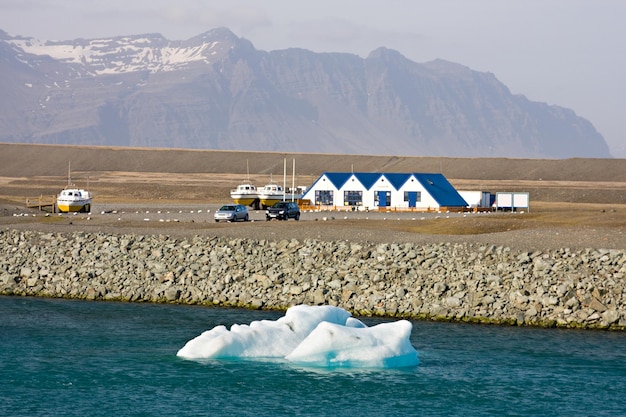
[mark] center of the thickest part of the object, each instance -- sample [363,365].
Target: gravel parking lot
[188,220]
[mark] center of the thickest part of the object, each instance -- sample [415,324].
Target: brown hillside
[575,203]
[25,160]
[200,174]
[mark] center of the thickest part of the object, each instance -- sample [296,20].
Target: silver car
[231,213]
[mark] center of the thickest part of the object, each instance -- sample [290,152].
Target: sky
[569,53]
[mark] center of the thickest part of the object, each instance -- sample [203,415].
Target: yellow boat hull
[269,202]
[246,201]
[72,200]
[72,208]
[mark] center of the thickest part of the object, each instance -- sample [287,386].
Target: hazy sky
[570,53]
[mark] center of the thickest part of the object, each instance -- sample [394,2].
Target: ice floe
[315,336]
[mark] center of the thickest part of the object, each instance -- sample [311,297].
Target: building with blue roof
[373,191]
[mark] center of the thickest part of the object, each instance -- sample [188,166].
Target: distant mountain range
[216,91]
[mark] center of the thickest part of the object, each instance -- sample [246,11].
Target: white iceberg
[317,336]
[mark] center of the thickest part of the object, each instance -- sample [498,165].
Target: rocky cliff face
[216,91]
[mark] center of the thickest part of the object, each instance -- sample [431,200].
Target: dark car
[231,213]
[283,210]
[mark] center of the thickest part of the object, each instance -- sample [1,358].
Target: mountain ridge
[216,91]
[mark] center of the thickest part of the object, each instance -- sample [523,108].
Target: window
[382,198]
[409,195]
[353,198]
[324,197]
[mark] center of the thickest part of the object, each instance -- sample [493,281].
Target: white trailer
[512,201]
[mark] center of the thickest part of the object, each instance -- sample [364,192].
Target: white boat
[245,194]
[272,193]
[269,194]
[72,199]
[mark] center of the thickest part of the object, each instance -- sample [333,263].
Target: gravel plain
[186,220]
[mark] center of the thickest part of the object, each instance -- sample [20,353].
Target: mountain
[216,91]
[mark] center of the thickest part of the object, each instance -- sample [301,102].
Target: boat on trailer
[272,193]
[245,194]
[72,199]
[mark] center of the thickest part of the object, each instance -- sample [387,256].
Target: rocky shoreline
[466,282]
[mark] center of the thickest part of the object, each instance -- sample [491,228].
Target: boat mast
[284,177]
[293,179]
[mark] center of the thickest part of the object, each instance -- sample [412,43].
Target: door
[412,198]
[382,198]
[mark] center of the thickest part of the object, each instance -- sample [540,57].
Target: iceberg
[312,336]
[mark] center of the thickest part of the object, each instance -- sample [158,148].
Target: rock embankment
[460,282]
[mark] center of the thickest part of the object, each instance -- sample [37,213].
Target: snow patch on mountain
[122,54]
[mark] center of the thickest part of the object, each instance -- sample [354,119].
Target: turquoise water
[75,358]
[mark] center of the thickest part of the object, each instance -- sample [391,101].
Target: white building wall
[369,196]
[323,183]
[382,184]
[368,199]
[353,184]
[426,200]
[476,198]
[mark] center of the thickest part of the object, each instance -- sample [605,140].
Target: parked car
[231,213]
[283,210]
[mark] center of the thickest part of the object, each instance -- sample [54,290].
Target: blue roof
[397,180]
[436,184]
[441,190]
[338,178]
[368,179]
